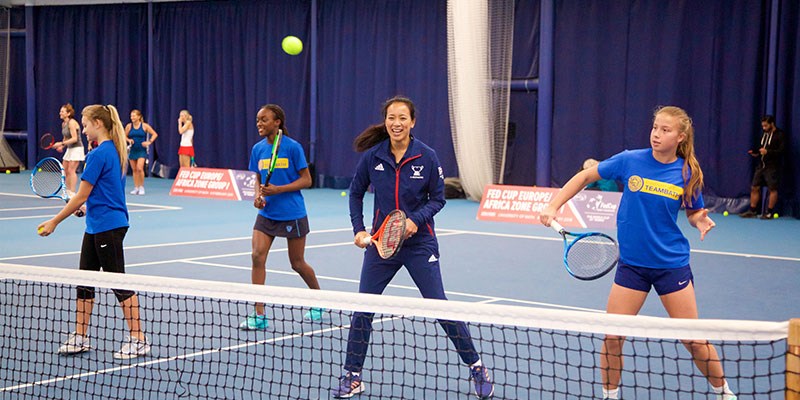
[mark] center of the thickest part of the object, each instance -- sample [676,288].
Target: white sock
[352,373]
[476,364]
[611,394]
[724,390]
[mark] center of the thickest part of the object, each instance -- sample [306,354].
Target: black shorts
[768,176]
[296,228]
[103,251]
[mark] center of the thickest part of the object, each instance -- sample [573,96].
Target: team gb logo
[417,171]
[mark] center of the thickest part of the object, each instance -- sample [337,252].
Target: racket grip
[366,241]
[556,227]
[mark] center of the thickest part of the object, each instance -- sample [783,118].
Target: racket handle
[366,241]
[557,227]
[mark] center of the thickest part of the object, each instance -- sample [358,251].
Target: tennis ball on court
[8,171]
[775,215]
[725,214]
[292,45]
[343,194]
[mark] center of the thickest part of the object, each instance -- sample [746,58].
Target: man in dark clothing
[770,150]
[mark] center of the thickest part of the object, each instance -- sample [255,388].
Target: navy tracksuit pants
[422,262]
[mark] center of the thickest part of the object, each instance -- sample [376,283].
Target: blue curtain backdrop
[222,61]
[87,55]
[520,168]
[615,62]
[619,60]
[787,103]
[370,51]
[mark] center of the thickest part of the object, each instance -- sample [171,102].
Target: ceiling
[73,2]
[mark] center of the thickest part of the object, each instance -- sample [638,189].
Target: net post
[793,361]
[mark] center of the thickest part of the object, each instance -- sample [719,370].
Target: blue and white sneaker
[314,314]
[255,322]
[75,344]
[484,388]
[133,347]
[349,386]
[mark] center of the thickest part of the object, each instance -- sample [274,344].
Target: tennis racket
[390,236]
[47,141]
[273,161]
[47,180]
[589,255]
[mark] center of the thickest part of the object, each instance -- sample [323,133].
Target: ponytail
[117,133]
[692,173]
[370,137]
[109,116]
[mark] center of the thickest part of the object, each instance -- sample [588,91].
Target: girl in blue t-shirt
[103,190]
[282,211]
[653,250]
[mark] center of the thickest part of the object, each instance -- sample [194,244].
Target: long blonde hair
[188,116]
[692,173]
[109,116]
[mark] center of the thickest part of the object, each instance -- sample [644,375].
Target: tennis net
[199,352]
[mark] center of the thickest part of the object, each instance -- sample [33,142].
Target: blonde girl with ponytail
[654,253]
[102,188]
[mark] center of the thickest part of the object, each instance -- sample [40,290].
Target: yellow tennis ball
[292,45]
[40,229]
[8,171]
[344,194]
[775,215]
[725,214]
[40,170]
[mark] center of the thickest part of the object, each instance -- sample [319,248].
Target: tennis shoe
[255,322]
[141,191]
[135,190]
[133,347]
[349,386]
[484,388]
[314,314]
[75,344]
[748,214]
[765,216]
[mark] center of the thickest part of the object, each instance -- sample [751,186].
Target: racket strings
[46,179]
[592,255]
[392,236]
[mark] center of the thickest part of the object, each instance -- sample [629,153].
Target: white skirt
[74,154]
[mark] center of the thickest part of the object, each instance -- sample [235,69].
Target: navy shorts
[665,280]
[296,228]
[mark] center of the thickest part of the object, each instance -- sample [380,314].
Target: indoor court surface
[746,269]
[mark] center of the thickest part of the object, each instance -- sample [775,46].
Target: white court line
[148,208]
[442,232]
[412,288]
[195,354]
[719,253]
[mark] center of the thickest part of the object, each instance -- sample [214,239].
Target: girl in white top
[186,130]
[72,143]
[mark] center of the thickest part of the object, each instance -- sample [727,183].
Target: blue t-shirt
[105,208]
[291,160]
[647,220]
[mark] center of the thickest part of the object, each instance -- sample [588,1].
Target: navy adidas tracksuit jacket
[416,186]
